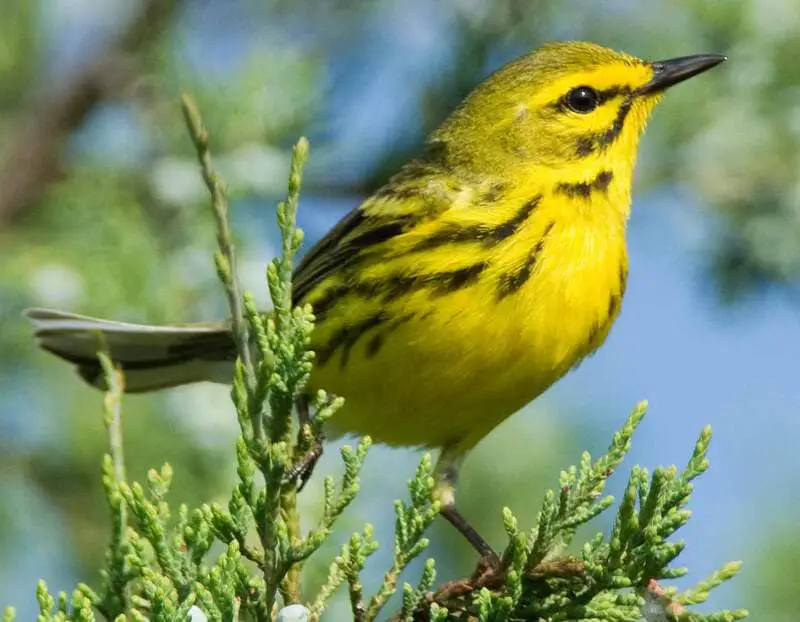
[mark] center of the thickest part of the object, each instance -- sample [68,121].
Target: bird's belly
[457,365]
[428,386]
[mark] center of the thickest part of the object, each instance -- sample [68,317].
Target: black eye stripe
[612,92]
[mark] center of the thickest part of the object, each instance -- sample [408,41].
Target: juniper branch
[411,522]
[225,257]
[113,600]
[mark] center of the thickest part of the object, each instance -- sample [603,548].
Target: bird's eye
[582,99]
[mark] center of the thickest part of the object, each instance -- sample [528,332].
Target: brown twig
[452,593]
[34,158]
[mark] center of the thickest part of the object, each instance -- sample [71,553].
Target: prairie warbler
[467,285]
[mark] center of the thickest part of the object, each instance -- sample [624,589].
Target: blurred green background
[102,211]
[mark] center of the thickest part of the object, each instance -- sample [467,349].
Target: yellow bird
[473,280]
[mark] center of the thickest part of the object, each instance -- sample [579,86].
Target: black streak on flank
[585,188]
[513,282]
[346,245]
[454,234]
[587,145]
[614,303]
[398,285]
[440,283]
[376,341]
[374,345]
[613,306]
[347,336]
[623,279]
[590,344]
[448,282]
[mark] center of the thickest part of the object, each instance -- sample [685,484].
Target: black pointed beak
[669,72]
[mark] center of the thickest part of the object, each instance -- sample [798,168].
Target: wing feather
[409,198]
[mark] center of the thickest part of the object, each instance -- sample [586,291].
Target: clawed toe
[489,572]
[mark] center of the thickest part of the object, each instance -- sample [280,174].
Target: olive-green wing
[404,202]
[353,236]
[327,254]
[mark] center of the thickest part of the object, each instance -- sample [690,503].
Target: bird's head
[567,104]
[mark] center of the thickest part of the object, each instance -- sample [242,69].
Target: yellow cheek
[594,122]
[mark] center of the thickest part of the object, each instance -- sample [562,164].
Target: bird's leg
[457,520]
[302,470]
[446,478]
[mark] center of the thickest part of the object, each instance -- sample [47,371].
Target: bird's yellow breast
[446,357]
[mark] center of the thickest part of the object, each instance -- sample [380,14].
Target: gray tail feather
[151,357]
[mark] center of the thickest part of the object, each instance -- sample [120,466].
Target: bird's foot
[301,471]
[308,439]
[490,572]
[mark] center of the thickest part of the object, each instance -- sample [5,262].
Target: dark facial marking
[586,145]
[612,133]
[613,92]
[603,96]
